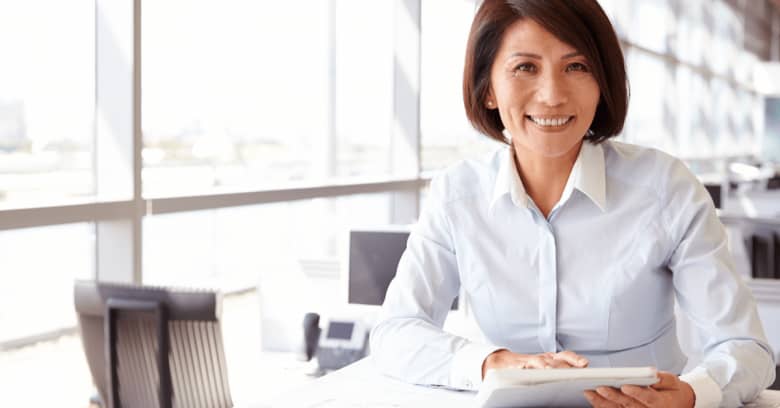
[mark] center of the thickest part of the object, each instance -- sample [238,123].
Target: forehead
[526,35]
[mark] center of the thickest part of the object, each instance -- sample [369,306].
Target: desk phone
[341,343]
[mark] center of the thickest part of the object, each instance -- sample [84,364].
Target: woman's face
[543,89]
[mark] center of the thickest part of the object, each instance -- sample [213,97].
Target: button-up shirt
[633,231]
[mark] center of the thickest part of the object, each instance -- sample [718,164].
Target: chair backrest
[153,347]
[762,242]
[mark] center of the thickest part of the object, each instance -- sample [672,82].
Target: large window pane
[725,38]
[446,135]
[651,115]
[39,265]
[47,99]
[232,248]
[364,86]
[723,118]
[691,38]
[240,93]
[651,23]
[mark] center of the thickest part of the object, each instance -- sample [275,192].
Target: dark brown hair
[579,23]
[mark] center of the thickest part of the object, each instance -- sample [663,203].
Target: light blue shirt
[633,230]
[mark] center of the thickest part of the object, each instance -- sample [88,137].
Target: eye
[525,67]
[577,66]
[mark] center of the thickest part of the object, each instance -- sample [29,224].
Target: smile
[550,121]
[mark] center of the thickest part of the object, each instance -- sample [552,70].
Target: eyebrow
[537,56]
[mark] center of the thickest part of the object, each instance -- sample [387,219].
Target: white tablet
[563,387]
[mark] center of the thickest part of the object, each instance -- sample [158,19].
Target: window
[446,134]
[650,118]
[249,94]
[231,248]
[39,266]
[47,101]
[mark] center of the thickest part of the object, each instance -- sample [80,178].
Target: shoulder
[645,166]
[469,178]
[620,154]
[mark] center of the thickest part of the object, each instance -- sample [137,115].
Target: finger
[623,400]
[559,363]
[667,381]
[645,395]
[574,359]
[598,401]
[536,362]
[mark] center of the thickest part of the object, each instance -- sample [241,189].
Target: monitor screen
[340,330]
[771,142]
[373,260]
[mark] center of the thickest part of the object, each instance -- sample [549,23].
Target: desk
[359,385]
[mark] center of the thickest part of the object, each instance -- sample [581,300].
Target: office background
[231,144]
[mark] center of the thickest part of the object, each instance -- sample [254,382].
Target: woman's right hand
[506,359]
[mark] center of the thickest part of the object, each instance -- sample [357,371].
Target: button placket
[548,283]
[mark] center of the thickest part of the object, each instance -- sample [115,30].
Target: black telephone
[343,342]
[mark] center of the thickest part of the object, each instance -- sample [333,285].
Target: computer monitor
[372,262]
[770,149]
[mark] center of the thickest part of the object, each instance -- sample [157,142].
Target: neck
[544,178]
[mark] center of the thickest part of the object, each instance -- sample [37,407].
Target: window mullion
[118,137]
[405,143]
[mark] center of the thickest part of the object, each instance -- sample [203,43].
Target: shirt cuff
[466,371]
[707,392]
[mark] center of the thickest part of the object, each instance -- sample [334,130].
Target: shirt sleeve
[707,391]
[737,356]
[408,342]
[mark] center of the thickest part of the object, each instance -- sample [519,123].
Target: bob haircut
[579,23]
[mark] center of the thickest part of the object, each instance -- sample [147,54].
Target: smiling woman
[561,239]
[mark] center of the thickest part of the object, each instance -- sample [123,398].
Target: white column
[118,137]
[405,141]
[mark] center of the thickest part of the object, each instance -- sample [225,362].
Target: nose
[552,90]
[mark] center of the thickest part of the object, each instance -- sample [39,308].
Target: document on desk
[517,387]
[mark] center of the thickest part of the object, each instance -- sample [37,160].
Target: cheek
[590,96]
[513,104]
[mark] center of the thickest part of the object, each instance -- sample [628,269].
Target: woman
[565,240]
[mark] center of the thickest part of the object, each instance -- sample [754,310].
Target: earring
[490,104]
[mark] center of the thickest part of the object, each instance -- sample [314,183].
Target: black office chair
[762,244]
[153,347]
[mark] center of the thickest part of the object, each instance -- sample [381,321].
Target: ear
[490,100]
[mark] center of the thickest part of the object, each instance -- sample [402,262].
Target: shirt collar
[588,176]
[591,177]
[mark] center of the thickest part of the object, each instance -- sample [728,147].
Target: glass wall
[691,77]
[287,245]
[47,99]
[254,94]
[445,133]
[38,268]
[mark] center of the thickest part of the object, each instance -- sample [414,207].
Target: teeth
[550,121]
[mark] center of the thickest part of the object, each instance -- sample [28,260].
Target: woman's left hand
[669,391]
